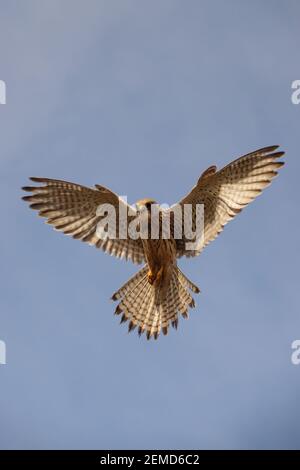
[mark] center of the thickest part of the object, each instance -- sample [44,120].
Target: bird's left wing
[73,209]
[226,192]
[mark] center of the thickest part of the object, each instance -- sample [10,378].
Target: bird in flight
[159,293]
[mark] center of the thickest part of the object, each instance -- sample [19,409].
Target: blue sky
[141,97]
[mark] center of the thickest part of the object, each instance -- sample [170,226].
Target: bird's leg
[151,276]
[159,275]
[154,276]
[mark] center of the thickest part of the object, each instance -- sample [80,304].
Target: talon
[151,277]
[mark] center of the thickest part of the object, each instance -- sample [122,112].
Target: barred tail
[151,308]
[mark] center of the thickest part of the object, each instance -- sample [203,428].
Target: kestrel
[155,297]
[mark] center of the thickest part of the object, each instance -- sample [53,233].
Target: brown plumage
[159,293]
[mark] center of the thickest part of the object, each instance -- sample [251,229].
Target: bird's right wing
[73,209]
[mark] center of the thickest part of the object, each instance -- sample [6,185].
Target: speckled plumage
[159,293]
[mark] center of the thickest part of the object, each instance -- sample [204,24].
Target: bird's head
[143,204]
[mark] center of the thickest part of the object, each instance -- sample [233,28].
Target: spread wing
[226,192]
[72,209]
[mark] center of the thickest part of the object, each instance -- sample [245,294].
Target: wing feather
[72,209]
[226,192]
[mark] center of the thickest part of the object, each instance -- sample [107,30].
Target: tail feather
[178,300]
[131,303]
[149,319]
[131,283]
[185,294]
[152,308]
[187,282]
[144,299]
